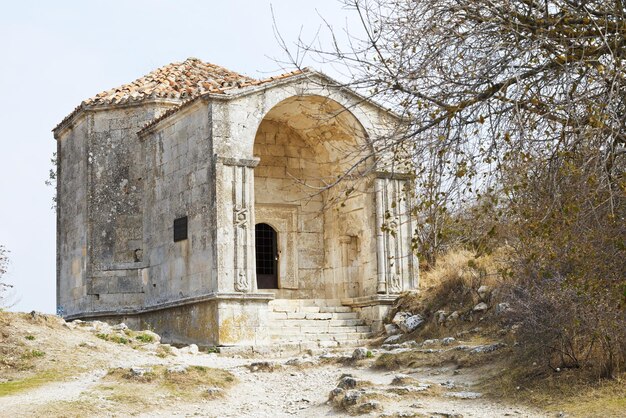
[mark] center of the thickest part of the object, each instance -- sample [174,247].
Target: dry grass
[452,284]
[24,361]
[37,349]
[69,409]
[31,382]
[569,391]
[197,380]
[420,358]
[463,265]
[196,383]
[164,350]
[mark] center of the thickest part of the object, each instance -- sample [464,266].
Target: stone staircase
[315,323]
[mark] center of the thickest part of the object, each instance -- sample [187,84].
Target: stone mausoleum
[206,205]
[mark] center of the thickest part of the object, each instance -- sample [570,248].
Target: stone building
[196,201]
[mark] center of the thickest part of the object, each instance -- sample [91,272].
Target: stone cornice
[238,162]
[84,109]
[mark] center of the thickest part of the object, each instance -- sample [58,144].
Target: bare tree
[4,262]
[514,108]
[483,84]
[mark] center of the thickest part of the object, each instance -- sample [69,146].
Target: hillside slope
[90,369]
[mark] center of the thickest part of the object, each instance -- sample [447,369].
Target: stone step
[300,346]
[343,329]
[299,323]
[311,324]
[317,322]
[344,322]
[300,316]
[336,309]
[335,325]
[284,308]
[345,315]
[318,316]
[353,336]
[295,308]
[317,330]
[312,315]
[283,316]
[306,302]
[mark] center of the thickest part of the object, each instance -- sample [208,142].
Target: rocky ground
[53,369]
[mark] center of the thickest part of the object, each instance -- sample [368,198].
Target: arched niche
[313,173]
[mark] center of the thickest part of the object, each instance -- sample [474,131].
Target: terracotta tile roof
[178,82]
[252,83]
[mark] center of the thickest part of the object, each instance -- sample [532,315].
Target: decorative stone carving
[397,265]
[241,217]
[240,175]
[242,284]
[395,285]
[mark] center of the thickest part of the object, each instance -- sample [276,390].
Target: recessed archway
[305,145]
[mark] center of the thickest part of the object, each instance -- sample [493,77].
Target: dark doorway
[266,257]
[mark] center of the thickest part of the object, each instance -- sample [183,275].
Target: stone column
[397,265]
[236,264]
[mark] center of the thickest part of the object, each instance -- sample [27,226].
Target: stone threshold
[226,296]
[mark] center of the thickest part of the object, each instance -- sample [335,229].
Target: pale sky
[54,54]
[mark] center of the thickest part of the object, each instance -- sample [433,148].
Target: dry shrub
[569,261]
[564,328]
[453,283]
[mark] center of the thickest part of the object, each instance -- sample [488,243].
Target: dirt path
[288,390]
[293,391]
[58,391]
[84,382]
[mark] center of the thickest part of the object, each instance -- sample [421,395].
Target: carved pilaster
[381,248]
[397,266]
[238,178]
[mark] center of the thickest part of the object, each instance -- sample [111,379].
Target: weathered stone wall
[100,213]
[120,194]
[179,182]
[116,178]
[350,244]
[225,321]
[72,219]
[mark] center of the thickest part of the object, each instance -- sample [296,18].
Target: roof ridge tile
[169,81]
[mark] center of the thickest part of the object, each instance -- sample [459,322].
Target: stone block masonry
[162,183]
